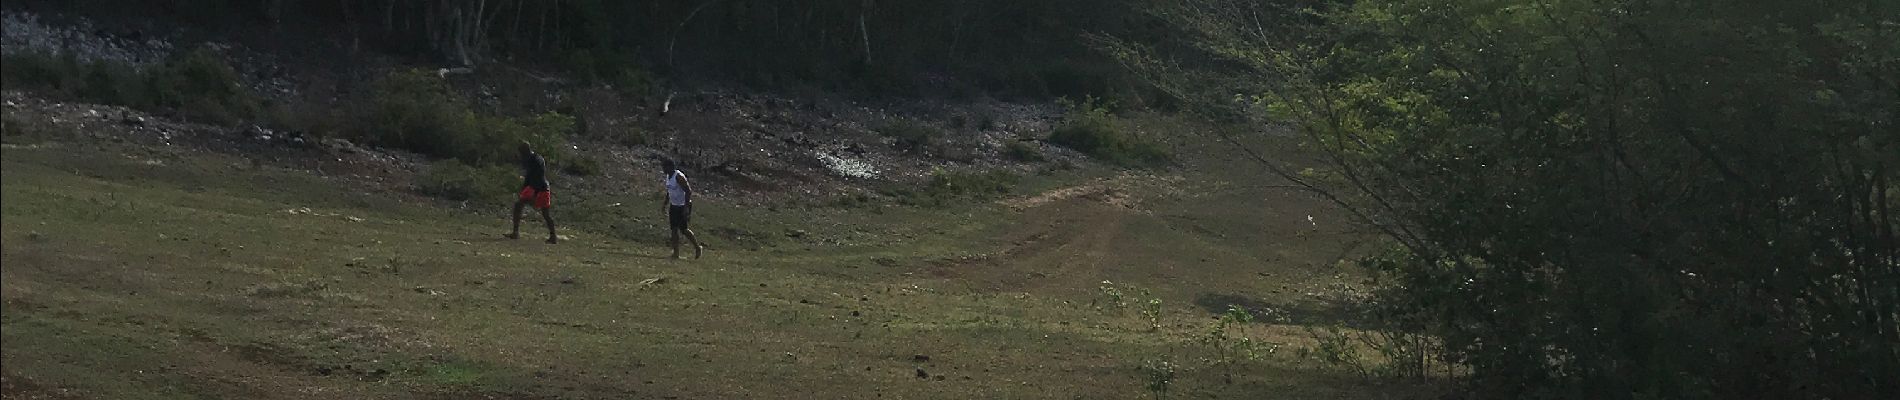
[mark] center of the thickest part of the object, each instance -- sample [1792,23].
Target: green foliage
[1151,310]
[1144,302]
[1603,200]
[630,136]
[196,84]
[636,82]
[415,110]
[619,69]
[580,165]
[853,200]
[1159,376]
[59,76]
[453,180]
[201,86]
[1112,296]
[1005,47]
[17,130]
[1090,129]
[457,373]
[945,187]
[9,127]
[928,140]
[110,83]
[1024,151]
[912,136]
[1228,340]
[1334,347]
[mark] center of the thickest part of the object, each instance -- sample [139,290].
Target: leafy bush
[635,82]
[945,186]
[16,130]
[415,110]
[852,200]
[1090,129]
[1589,200]
[201,86]
[630,135]
[986,121]
[111,83]
[453,180]
[912,136]
[54,75]
[1024,151]
[1229,342]
[197,85]
[580,165]
[958,151]
[1160,375]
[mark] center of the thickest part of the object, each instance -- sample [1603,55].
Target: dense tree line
[1596,199]
[1025,47]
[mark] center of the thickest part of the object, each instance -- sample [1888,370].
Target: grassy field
[158,273]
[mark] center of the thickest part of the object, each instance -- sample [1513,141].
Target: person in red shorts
[534,191]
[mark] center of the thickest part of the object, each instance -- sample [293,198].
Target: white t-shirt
[675,194]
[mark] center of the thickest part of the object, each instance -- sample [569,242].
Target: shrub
[635,82]
[630,136]
[415,110]
[1692,255]
[912,136]
[311,118]
[1160,376]
[16,130]
[853,200]
[546,131]
[1023,151]
[113,83]
[986,121]
[959,152]
[580,165]
[199,85]
[1090,129]
[945,186]
[54,75]
[453,180]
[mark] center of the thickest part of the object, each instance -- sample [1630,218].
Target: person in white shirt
[679,207]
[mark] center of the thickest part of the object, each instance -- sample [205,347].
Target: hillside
[140,271]
[152,254]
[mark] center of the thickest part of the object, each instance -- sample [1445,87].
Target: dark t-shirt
[534,172]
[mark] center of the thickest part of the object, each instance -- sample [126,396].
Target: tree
[1597,199]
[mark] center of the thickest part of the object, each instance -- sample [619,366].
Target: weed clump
[1024,151]
[912,136]
[201,86]
[946,186]
[453,180]
[416,111]
[196,85]
[1089,128]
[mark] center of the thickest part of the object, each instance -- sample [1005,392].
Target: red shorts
[540,199]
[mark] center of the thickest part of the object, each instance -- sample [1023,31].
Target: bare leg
[676,242]
[690,237]
[548,216]
[516,233]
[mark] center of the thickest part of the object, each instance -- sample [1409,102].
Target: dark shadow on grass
[1310,312]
